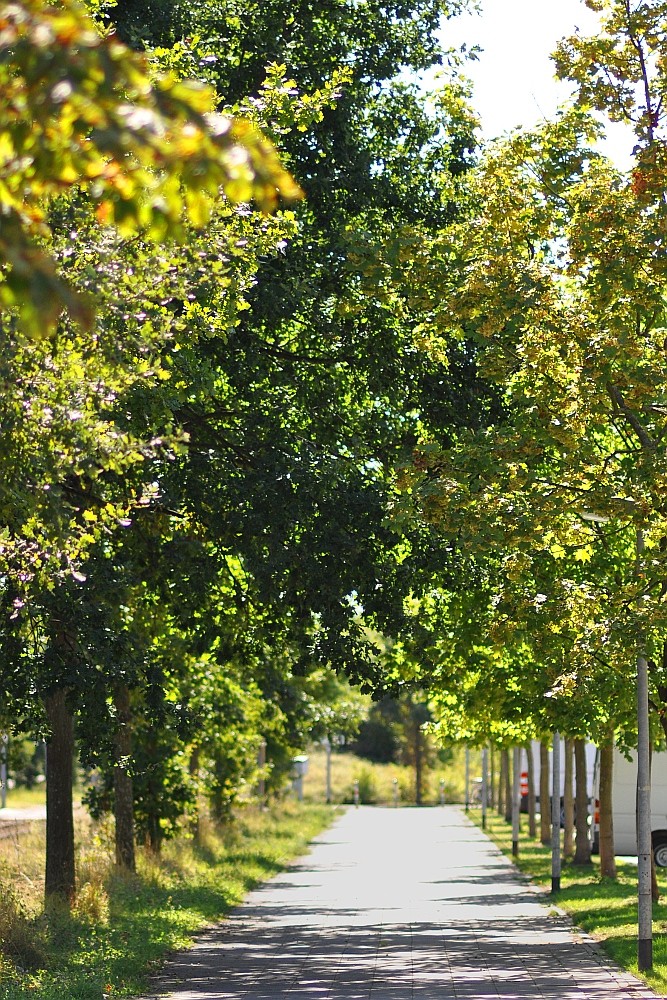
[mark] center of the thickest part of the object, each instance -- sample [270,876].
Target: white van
[591,756]
[624,797]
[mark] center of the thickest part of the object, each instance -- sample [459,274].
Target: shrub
[368,793]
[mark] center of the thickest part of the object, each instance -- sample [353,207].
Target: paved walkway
[397,904]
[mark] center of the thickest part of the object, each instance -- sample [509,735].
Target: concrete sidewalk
[396,904]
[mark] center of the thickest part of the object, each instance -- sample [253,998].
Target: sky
[514,78]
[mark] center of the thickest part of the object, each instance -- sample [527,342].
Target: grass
[604,908]
[376,781]
[20,798]
[123,927]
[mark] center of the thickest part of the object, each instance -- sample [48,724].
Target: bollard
[395,789]
[356,793]
[442,792]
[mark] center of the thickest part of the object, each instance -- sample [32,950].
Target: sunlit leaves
[78,109]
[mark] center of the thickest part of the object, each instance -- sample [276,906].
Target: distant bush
[377,741]
[368,791]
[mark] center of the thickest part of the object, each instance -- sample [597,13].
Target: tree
[145,151]
[293,428]
[559,279]
[250,435]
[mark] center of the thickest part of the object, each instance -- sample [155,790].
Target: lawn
[123,927]
[605,908]
[20,798]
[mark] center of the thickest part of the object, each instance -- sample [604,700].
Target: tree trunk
[507,791]
[582,854]
[568,800]
[122,780]
[607,856]
[418,764]
[492,779]
[500,799]
[545,795]
[59,880]
[530,771]
[193,770]
[516,799]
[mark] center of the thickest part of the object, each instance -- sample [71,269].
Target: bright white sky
[514,77]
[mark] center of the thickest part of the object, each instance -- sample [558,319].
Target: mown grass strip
[604,908]
[129,924]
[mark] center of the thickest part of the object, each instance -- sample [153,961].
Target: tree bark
[507,791]
[418,764]
[530,771]
[492,778]
[122,780]
[193,770]
[582,853]
[545,795]
[60,875]
[568,800]
[500,803]
[607,856]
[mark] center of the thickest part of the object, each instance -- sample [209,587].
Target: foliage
[80,111]
[294,427]
[555,278]
[195,502]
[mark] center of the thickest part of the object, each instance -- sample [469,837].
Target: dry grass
[20,798]
[121,926]
[376,781]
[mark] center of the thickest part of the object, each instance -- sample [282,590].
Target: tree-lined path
[393,904]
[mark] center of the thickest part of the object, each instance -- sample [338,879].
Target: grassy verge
[20,798]
[123,927]
[605,908]
[376,781]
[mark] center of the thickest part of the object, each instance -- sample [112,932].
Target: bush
[377,741]
[368,792]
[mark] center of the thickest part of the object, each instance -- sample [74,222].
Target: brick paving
[397,904]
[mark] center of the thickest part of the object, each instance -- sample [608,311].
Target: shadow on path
[397,905]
